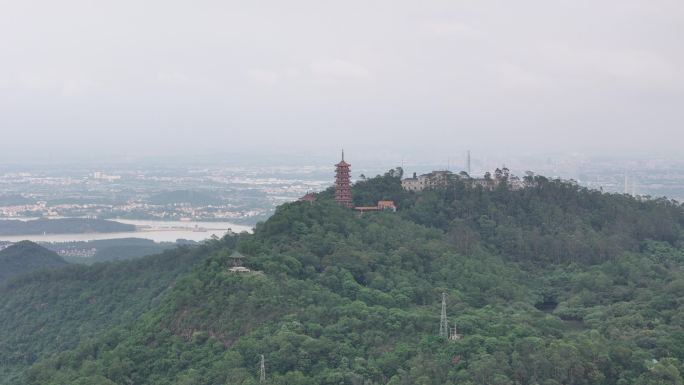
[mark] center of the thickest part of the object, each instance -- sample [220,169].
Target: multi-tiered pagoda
[342,183]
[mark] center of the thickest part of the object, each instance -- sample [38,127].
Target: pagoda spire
[343,183]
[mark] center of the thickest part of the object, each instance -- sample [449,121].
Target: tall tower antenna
[625,187]
[443,323]
[468,162]
[262,371]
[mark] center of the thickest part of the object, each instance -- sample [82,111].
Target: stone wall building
[431,180]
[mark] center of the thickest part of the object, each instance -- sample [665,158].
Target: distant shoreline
[158,231]
[237,221]
[62,226]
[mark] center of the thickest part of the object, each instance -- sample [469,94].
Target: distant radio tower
[468,162]
[443,323]
[262,371]
[633,186]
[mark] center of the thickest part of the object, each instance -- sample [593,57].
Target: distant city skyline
[641,175]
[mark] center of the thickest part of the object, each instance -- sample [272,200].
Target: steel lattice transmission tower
[262,371]
[443,323]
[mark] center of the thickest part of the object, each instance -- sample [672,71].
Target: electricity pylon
[443,323]
[262,371]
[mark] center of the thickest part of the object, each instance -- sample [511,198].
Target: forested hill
[26,256]
[42,313]
[549,221]
[550,284]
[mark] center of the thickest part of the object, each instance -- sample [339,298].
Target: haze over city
[420,80]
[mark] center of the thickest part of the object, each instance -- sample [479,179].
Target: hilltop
[548,284]
[26,256]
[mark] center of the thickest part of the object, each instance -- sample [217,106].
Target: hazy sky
[167,76]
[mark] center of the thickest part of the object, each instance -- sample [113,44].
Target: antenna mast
[468,162]
[443,323]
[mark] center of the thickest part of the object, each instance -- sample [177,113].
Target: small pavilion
[236,263]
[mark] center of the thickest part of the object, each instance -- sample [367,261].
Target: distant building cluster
[99,175]
[87,252]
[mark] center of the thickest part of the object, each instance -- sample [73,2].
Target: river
[158,231]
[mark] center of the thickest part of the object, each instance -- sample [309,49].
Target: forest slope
[46,312]
[551,284]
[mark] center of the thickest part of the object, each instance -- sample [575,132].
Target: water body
[158,231]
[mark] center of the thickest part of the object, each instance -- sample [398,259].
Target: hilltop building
[343,183]
[381,206]
[431,180]
[437,179]
[387,205]
[308,198]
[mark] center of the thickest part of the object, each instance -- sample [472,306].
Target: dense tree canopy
[548,284]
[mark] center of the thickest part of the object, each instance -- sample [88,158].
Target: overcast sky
[128,76]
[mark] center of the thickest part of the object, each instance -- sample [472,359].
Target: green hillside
[44,313]
[550,284]
[26,256]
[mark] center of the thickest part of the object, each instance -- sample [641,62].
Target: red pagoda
[342,183]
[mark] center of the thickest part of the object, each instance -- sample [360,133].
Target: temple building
[343,184]
[308,198]
[381,206]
